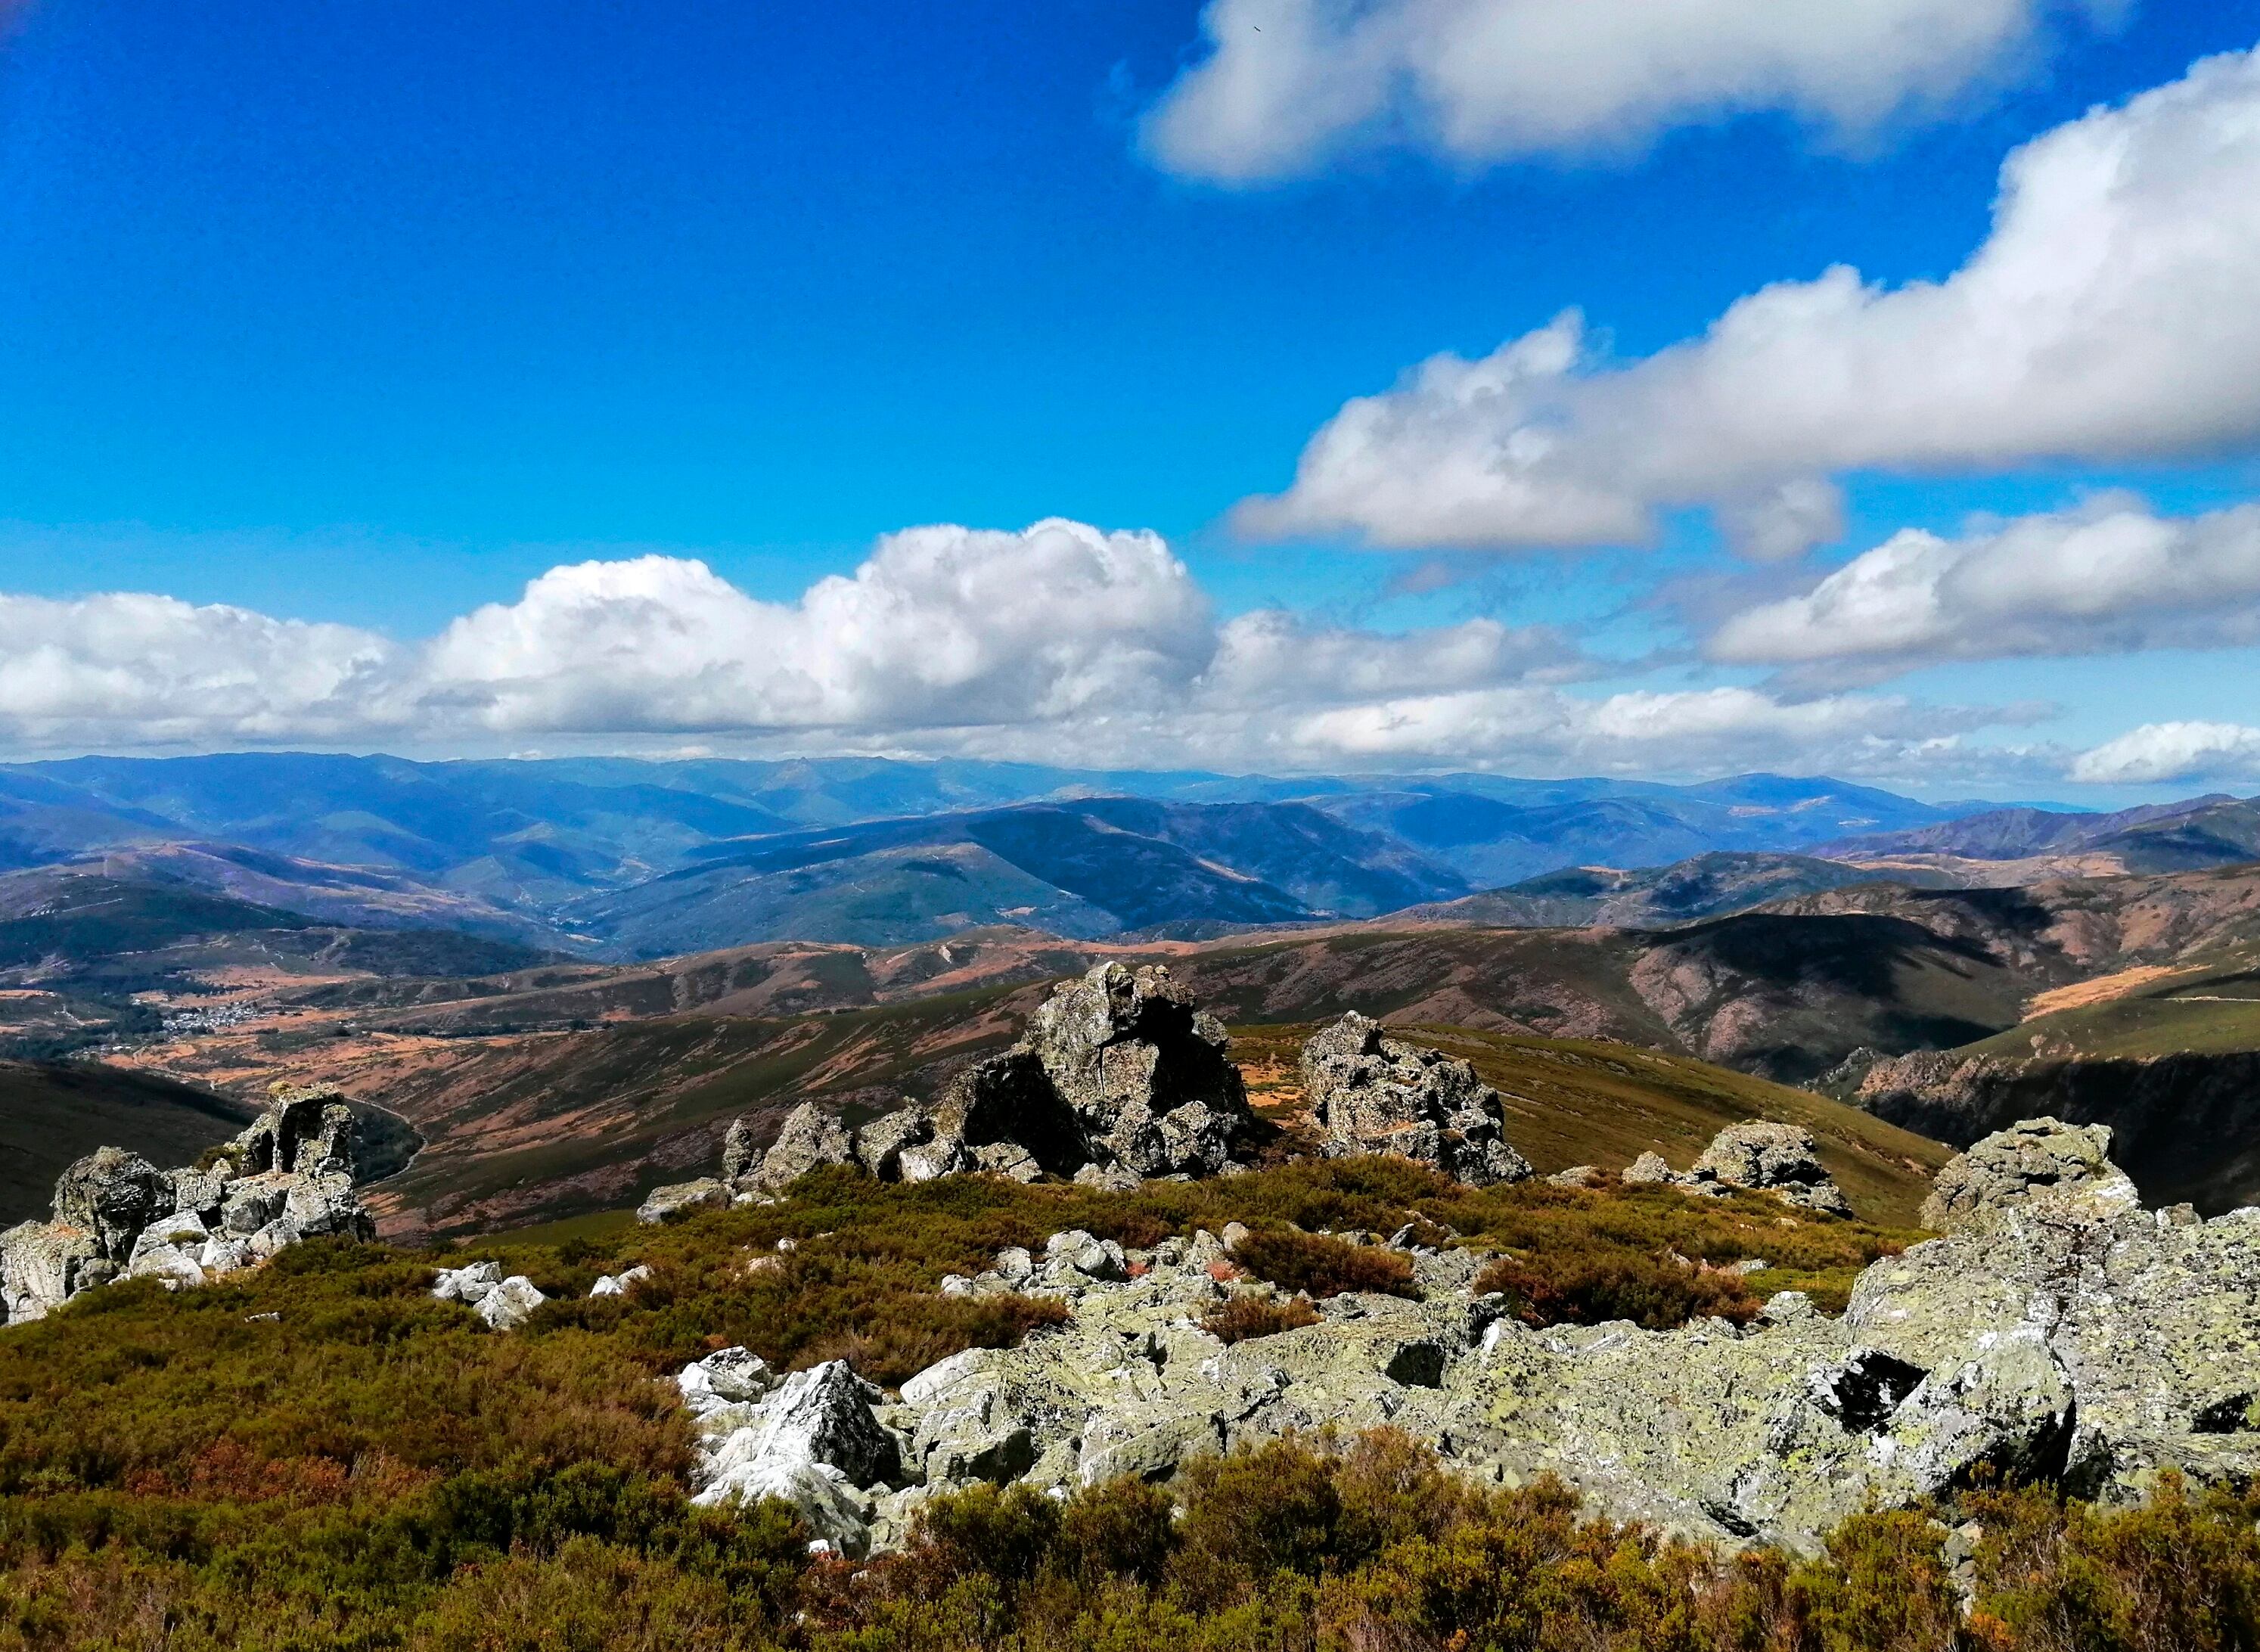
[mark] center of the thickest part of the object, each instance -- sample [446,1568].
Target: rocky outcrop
[1373,1094]
[2059,1332]
[1762,1156]
[1121,1076]
[1758,1156]
[289,1175]
[2061,1165]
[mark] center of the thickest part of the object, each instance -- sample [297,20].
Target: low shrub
[1655,1292]
[1249,1316]
[1320,1267]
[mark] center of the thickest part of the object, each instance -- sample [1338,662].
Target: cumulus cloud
[1285,85]
[153,670]
[2107,317]
[1059,643]
[2108,577]
[942,625]
[2157,753]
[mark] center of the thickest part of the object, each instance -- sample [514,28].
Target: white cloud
[1062,643]
[153,670]
[1543,730]
[942,625]
[2107,317]
[2157,753]
[2109,578]
[1287,84]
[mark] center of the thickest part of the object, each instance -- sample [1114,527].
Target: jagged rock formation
[289,1175]
[810,1439]
[2039,1158]
[504,1304]
[1121,1076]
[2061,1332]
[1757,1155]
[1373,1094]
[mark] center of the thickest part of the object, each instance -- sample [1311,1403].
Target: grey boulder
[1376,1094]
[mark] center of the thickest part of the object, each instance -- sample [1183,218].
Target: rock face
[289,1175]
[2062,1331]
[1120,1077]
[2039,1158]
[1373,1094]
[1757,1156]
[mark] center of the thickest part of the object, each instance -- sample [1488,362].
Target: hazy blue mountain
[2214,830]
[1088,868]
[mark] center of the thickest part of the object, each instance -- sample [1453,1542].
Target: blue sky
[364,317]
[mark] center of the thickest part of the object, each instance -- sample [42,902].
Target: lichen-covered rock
[44,1264]
[812,1137]
[468,1285]
[1766,1157]
[2045,1159]
[1649,1170]
[507,1305]
[880,1145]
[171,1249]
[681,1198]
[1142,1070]
[2071,1337]
[112,1194]
[1373,1094]
[740,1156]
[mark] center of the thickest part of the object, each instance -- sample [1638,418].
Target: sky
[1277,385]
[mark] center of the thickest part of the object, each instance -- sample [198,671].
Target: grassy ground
[1579,1102]
[2196,1021]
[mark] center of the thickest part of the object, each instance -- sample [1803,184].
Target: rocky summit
[1373,1094]
[2062,1331]
[289,1175]
[1121,1077]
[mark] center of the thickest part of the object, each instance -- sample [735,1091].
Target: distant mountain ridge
[616,857]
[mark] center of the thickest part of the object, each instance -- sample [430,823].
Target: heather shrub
[1247,1316]
[1655,1292]
[1320,1267]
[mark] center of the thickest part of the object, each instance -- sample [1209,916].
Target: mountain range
[616,857]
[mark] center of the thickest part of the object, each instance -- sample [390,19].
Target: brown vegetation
[1251,1316]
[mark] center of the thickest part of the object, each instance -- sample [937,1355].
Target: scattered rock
[618,1284]
[1373,1094]
[1577,1176]
[468,1285]
[681,1198]
[288,1175]
[1757,1156]
[2063,1165]
[511,1303]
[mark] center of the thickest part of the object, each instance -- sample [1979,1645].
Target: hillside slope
[53,1114]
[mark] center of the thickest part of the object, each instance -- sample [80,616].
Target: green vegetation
[319,1455]
[1318,1267]
[2214,1019]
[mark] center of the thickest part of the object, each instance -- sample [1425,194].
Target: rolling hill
[51,1114]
